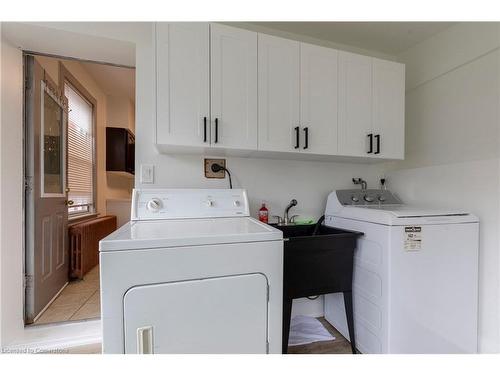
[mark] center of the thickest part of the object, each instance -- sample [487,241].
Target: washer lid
[405,215]
[188,232]
[402,211]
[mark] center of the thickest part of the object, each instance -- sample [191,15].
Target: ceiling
[113,80]
[386,37]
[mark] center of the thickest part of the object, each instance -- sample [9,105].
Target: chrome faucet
[359,181]
[286,219]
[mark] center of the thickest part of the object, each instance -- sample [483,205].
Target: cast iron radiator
[84,240]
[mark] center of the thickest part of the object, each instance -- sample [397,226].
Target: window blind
[80,152]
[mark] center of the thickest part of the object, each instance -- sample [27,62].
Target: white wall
[11,193]
[452,144]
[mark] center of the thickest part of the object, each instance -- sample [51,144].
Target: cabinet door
[233,87]
[388,107]
[221,315]
[279,93]
[182,92]
[355,104]
[318,99]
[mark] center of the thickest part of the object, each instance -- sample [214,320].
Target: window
[80,151]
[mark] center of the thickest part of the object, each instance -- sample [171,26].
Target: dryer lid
[151,234]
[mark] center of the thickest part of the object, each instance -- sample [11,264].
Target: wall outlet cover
[147,173]
[208,168]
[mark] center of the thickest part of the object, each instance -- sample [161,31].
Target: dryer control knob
[381,198]
[209,203]
[368,198]
[154,204]
[237,203]
[354,198]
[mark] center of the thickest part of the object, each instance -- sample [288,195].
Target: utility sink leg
[350,319]
[287,313]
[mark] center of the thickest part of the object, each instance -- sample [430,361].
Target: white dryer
[415,286]
[192,272]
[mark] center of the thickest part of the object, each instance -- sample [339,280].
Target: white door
[219,315]
[355,105]
[318,99]
[279,93]
[233,87]
[388,108]
[182,84]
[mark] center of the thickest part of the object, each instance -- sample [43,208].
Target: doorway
[68,106]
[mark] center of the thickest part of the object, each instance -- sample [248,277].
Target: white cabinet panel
[236,90]
[219,315]
[388,107]
[278,92]
[182,88]
[233,87]
[355,104]
[318,99]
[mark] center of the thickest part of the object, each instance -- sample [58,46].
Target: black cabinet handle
[297,135]
[370,149]
[306,137]
[204,129]
[377,137]
[216,130]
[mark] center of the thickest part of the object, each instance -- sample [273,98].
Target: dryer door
[216,315]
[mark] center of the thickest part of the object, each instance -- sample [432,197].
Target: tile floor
[78,301]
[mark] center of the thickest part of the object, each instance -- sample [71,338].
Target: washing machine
[415,286]
[192,272]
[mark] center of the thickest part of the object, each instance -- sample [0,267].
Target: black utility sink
[317,261]
[307,230]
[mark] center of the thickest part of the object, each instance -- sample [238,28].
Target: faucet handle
[291,220]
[280,219]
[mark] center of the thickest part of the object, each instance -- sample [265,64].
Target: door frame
[64,75]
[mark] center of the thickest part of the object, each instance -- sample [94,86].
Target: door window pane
[53,147]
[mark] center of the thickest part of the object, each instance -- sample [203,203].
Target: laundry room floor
[338,346]
[80,300]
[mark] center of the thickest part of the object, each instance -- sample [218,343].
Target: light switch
[147,173]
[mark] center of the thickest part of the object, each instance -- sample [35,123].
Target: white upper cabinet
[371,107]
[388,108]
[318,99]
[355,105]
[279,93]
[182,84]
[233,87]
[235,91]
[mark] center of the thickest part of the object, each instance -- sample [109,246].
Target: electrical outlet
[208,168]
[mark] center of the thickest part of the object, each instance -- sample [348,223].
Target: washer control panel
[368,197]
[154,204]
